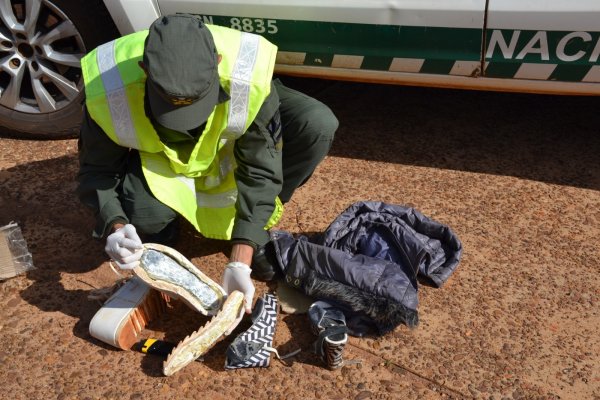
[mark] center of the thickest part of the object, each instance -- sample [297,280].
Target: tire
[41,86]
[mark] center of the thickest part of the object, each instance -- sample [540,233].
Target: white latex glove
[237,277]
[124,246]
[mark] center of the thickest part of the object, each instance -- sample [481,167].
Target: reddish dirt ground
[517,177]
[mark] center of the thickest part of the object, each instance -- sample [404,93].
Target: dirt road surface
[517,177]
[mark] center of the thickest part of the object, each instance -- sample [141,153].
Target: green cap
[181,64]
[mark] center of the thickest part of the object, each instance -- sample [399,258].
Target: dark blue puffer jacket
[401,234]
[368,262]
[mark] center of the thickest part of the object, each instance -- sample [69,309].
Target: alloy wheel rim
[40,53]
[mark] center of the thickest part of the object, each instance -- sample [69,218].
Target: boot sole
[209,288]
[199,342]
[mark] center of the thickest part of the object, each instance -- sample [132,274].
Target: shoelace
[298,351]
[274,351]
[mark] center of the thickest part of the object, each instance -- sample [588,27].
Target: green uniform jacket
[258,174]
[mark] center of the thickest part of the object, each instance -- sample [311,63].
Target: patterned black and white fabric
[253,347]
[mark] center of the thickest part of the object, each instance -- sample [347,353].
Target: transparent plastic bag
[15,258]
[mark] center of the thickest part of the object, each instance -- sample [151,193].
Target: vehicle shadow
[552,139]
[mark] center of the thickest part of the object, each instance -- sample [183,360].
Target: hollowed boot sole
[199,342]
[175,289]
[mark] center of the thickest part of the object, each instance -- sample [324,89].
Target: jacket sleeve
[258,175]
[102,164]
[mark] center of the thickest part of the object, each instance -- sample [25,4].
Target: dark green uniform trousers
[308,128]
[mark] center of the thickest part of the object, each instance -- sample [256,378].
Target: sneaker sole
[209,289]
[126,313]
[199,342]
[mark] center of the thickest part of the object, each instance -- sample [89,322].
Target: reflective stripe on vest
[240,86]
[202,189]
[115,92]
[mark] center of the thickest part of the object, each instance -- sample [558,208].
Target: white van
[537,46]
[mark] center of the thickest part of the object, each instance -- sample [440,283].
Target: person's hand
[237,277]
[124,246]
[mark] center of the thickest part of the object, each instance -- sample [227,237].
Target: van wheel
[41,45]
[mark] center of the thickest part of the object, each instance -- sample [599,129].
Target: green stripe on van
[368,40]
[318,59]
[570,73]
[501,70]
[432,50]
[437,67]
[376,63]
[542,47]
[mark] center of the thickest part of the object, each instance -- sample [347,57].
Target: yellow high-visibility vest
[196,180]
